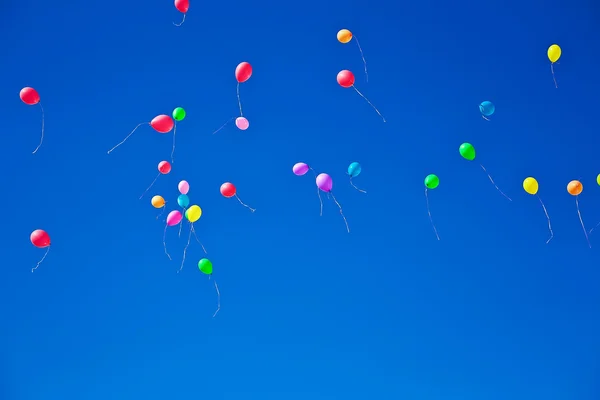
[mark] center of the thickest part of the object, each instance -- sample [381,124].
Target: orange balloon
[575,188]
[344,36]
[158,201]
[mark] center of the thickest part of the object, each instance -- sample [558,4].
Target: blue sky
[308,310]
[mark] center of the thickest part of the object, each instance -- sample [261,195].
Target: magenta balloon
[300,168]
[242,123]
[174,218]
[324,182]
[183,187]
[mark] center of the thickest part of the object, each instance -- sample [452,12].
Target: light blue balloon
[487,108]
[183,201]
[354,170]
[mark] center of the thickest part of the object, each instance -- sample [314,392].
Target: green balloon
[178,114]
[467,151]
[432,181]
[205,266]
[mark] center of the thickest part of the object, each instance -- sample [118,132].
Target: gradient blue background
[308,311]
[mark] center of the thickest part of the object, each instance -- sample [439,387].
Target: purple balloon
[324,182]
[300,168]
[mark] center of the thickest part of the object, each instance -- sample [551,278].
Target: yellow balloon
[193,213]
[598,179]
[554,53]
[344,36]
[530,185]
[157,201]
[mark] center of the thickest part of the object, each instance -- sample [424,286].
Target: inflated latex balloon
[467,151]
[598,179]
[228,189]
[242,123]
[179,114]
[31,97]
[530,185]
[157,202]
[243,72]
[184,187]
[345,78]
[193,213]
[174,218]
[344,36]
[554,53]
[575,188]
[324,182]
[487,108]
[354,169]
[183,201]
[182,6]
[301,168]
[205,266]
[161,124]
[432,181]
[40,238]
[164,167]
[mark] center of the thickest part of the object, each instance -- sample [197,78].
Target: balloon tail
[494,183]
[548,218]
[553,77]
[218,298]
[239,100]
[126,137]
[41,261]
[162,212]
[173,149]
[341,212]
[318,192]
[484,117]
[581,220]
[165,242]
[180,227]
[223,126]
[429,213]
[371,104]
[363,57]
[42,138]
[198,240]
[360,190]
[245,205]
[185,248]
[149,187]
[182,21]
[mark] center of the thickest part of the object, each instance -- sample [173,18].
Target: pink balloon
[183,187]
[242,123]
[300,168]
[174,218]
[324,182]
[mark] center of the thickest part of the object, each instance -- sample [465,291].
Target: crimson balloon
[162,123]
[182,5]
[243,72]
[29,96]
[40,238]
[164,167]
[345,78]
[228,189]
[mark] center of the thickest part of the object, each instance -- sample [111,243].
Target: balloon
[183,187]
[432,181]
[554,53]
[179,112]
[530,185]
[487,108]
[157,202]
[182,6]
[598,179]
[183,201]
[324,182]
[302,168]
[228,189]
[243,72]
[344,36]
[29,96]
[345,78]
[205,266]
[354,169]
[164,167]
[242,123]
[467,151]
[40,238]
[575,188]
[174,218]
[162,123]
[193,213]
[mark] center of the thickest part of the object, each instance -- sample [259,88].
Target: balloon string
[429,213]
[494,183]
[198,240]
[318,192]
[146,191]
[182,21]
[173,149]
[41,261]
[245,205]
[185,248]
[548,218]
[581,220]
[239,100]
[371,104]
[591,230]
[126,137]
[553,77]
[223,126]
[42,138]
[341,212]
[360,190]
[363,57]
[218,298]
[163,211]
[484,117]
[165,241]
[181,225]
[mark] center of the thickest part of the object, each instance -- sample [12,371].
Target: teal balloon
[354,170]
[487,108]
[183,201]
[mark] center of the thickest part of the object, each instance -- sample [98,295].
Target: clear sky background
[308,310]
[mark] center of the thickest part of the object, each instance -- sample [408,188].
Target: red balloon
[162,123]
[182,5]
[29,96]
[345,78]
[40,238]
[227,189]
[164,167]
[243,72]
